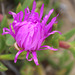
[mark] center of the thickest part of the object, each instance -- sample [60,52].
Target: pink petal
[47,16]
[19,52]
[5,29]
[28,10]
[26,14]
[48,47]
[41,11]
[35,57]
[21,15]
[12,13]
[27,56]
[53,33]
[49,26]
[34,6]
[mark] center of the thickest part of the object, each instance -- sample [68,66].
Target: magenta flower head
[30,32]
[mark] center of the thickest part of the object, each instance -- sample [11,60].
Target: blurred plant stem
[9,57]
[40,70]
[3,10]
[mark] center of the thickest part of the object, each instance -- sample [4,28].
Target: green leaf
[72,49]
[2,43]
[19,8]
[4,22]
[69,34]
[1,31]
[9,40]
[27,3]
[2,67]
[73,43]
[18,1]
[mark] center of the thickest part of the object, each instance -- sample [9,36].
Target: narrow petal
[27,56]
[5,33]
[53,33]
[35,57]
[47,16]
[41,11]
[21,15]
[26,14]
[49,26]
[10,27]
[5,29]
[11,32]
[28,10]
[17,17]
[12,13]
[48,47]
[15,60]
[34,6]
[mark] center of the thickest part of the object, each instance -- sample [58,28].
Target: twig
[3,73]
[3,11]
[12,67]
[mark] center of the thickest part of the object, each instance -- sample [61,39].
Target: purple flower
[31,32]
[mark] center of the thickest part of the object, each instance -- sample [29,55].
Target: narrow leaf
[4,22]
[2,43]
[27,3]
[2,67]
[19,8]
[69,34]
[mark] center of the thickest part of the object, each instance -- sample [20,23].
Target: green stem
[9,57]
